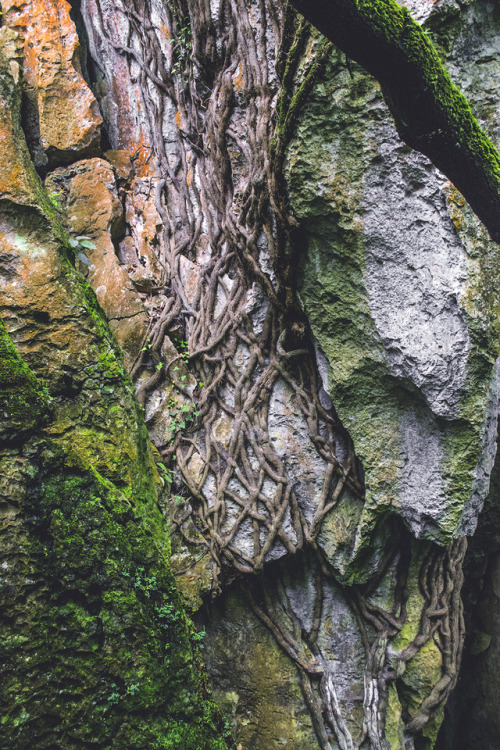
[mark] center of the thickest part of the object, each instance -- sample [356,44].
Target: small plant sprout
[55,198]
[81,241]
[166,474]
[198,637]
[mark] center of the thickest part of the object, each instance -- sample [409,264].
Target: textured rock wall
[471,717]
[308,312]
[393,286]
[96,650]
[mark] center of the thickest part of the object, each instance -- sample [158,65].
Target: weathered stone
[12,45]
[63,116]
[387,287]
[17,184]
[122,165]
[94,213]
[254,683]
[189,273]
[142,216]
[91,625]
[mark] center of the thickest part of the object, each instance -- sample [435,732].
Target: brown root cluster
[236,88]
[440,583]
[220,200]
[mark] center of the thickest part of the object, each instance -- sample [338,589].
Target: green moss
[96,650]
[110,365]
[257,683]
[467,445]
[423,671]
[394,725]
[394,24]
[14,373]
[428,735]
[24,401]
[462,450]
[108,632]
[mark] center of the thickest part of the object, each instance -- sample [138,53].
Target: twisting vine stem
[233,76]
[221,201]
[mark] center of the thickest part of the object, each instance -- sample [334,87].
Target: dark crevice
[471,715]
[89,69]
[90,73]
[117,231]
[30,123]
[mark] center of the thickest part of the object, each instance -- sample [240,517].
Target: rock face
[308,312]
[88,196]
[472,716]
[62,117]
[96,649]
[392,285]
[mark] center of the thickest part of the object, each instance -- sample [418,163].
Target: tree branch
[430,113]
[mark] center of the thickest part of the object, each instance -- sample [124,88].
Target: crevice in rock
[89,68]
[85,63]
[30,123]
[471,715]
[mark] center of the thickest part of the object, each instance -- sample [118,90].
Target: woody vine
[236,88]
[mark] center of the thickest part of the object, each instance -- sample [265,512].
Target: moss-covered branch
[431,114]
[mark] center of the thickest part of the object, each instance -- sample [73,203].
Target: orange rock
[17,181]
[48,311]
[93,210]
[68,115]
[122,164]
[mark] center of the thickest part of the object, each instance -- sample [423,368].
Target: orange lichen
[455,202]
[238,77]
[68,112]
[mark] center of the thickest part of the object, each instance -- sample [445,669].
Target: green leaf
[83,258]
[88,244]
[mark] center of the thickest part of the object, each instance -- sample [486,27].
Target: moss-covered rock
[24,401]
[430,112]
[95,649]
[396,306]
